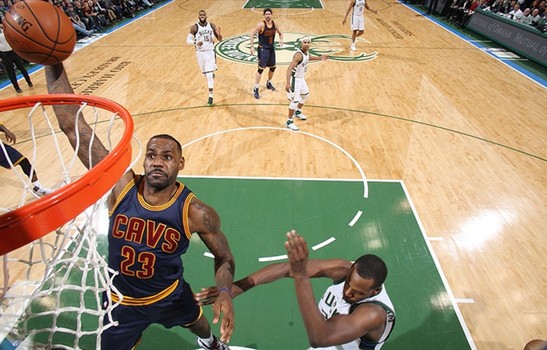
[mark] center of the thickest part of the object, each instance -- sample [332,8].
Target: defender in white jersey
[202,35]
[296,87]
[357,9]
[354,313]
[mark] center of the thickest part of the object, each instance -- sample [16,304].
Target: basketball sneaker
[217,344]
[291,125]
[298,114]
[210,101]
[270,86]
[353,48]
[41,191]
[255,93]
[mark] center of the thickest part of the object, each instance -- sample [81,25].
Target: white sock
[211,95]
[207,341]
[256,86]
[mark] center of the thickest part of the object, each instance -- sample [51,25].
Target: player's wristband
[224,289]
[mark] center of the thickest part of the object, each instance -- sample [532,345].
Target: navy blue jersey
[145,243]
[266,38]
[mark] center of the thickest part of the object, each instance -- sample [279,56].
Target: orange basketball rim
[42,216]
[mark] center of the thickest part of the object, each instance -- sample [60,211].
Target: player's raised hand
[223,305]
[10,136]
[297,251]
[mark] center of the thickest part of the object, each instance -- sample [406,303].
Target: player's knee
[293,104]
[272,69]
[260,70]
[210,77]
[303,98]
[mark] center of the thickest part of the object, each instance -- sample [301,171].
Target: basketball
[39,32]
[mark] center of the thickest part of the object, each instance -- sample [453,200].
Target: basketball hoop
[52,241]
[32,221]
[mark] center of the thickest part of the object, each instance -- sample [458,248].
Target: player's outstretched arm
[205,221]
[58,83]
[335,269]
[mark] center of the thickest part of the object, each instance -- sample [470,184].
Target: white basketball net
[52,289]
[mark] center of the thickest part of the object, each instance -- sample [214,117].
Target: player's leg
[293,105]
[17,159]
[132,321]
[209,72]
[303,95]
[21,66]
[185,311]
[262,64]
[8,65]
[272,65]
[358,27]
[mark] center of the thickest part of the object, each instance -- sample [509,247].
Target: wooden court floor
[463,131]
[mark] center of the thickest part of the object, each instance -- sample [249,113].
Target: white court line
[273,258]
[464,301]
[435,238]
[355,218]
[440,270]
[324,243]
[346,153]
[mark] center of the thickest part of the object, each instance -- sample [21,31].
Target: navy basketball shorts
[177,309]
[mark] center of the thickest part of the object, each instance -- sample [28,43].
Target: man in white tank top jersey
[356,303]
[357,9]
[202,35]
[296,87]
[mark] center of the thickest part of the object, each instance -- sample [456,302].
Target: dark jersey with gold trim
[145,242]
[266,38]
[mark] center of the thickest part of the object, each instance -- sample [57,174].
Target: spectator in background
[535,18]
[9,59]
[526,17]
[516,14]
[77,22]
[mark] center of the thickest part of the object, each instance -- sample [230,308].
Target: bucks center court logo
[237,48]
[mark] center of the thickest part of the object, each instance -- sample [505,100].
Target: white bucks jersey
[332,303]
[206,36]
[300,70]
[359,7]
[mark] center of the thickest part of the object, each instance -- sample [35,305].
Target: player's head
[202,15]
[305,43]
[163,161]
[365,279]
[267,13]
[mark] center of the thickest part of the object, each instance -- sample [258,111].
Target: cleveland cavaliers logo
[237,48]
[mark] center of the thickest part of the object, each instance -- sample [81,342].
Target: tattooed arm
[205,221]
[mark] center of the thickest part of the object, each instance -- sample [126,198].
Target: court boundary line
[440,270]
[478,45]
